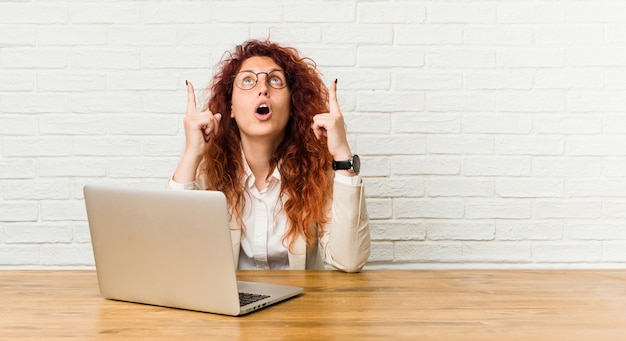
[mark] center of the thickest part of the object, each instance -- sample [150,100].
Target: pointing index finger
[191,98]
[332,98]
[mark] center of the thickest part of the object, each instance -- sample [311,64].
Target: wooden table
[377,304]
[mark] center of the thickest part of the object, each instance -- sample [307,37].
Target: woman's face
[262,111]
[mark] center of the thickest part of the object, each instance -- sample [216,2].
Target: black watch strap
[342,165]
[352,165]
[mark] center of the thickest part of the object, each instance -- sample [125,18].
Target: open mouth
[263,109]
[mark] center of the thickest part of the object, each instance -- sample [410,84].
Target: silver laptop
[170,248]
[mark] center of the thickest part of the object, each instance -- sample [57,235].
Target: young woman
[272,138]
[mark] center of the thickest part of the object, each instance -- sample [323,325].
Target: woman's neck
[258,155]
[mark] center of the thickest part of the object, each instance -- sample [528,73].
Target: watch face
[356,163]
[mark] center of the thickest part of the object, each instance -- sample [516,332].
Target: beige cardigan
[345,240]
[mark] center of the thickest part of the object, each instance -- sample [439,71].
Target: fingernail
[335,80]
[186,83]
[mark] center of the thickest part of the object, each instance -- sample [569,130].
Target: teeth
[263,109]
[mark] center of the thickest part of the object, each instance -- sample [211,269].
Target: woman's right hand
[199,126]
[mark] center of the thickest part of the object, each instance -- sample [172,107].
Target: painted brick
[71,81]
[73,125]
[454,57]
[530,145]
[428,34]
[178,12]
[38,233]
[20,255]
[18,168]
[20,103]
[395,187]
[460,144]
[411,123]
[379,101]
[17,125]
[411,251]
[460,231]
[573,79]
[105,13]
[34,58]
[437,165]
[567,209]
[526,101]
[568,253]
[13,35]
[375,12]
[379,208]
[514,13]
[564,124]
[72,35]
[40,14]
[38,190]
[17,80]
[107,146]
[461,12]
[491,133]
[33,146]
[522,230]
[428,208]
[509,124]
[510,79]
[145,35]
[566,167]
[464,187]
[71,166]
[381,144]
[381,252]
[496,252]
[495,34]
[614,251]
[100,59]
[62,210]
[476,208]
[312,13]
[397,230]
[496,166]
[408,79]
[13,211]
[459,101]
[530,188]
[586,231]
[60,254]
[360,34]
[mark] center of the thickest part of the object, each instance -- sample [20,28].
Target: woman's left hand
[332,126]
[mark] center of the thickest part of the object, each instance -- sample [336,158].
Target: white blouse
[265,222]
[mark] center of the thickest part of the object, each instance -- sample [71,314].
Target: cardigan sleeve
[345,240]
[171,184]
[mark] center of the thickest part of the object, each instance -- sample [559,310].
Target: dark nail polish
[335,80]
[186,83]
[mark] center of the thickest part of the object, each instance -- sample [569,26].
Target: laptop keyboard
[247,298]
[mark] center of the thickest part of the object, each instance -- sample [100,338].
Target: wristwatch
[353,164]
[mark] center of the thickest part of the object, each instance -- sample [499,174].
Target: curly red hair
[305,163]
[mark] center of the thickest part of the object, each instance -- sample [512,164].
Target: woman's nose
[262,85]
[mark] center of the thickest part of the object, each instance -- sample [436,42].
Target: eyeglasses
[246,80]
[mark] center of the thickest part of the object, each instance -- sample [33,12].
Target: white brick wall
[492,133]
